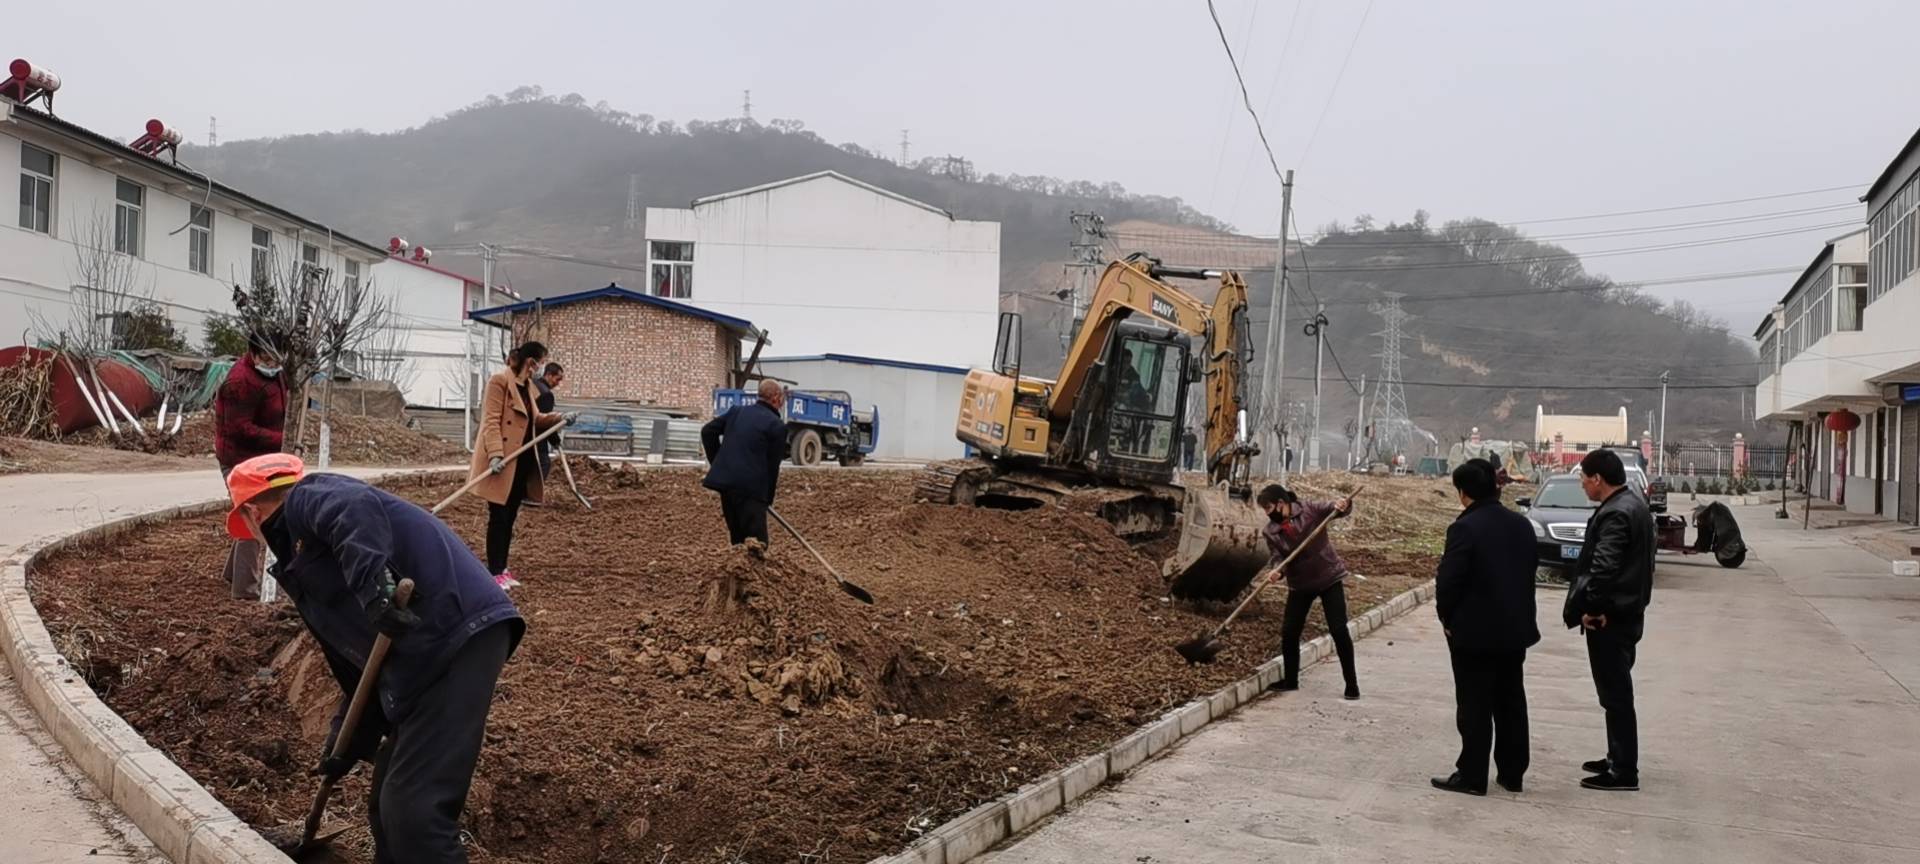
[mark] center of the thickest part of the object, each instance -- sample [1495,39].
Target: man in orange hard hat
[341,547]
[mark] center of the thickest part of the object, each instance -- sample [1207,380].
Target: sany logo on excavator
[1161,308]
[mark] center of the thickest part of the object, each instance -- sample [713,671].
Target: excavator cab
[1133,425]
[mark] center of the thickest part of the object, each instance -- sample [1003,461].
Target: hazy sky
[1513,110]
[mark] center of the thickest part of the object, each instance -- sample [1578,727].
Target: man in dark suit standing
[1612,585]
[744,447]
[1484,595]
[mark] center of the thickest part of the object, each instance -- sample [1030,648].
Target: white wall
[827,266]
[918,408]
[37,271]
[429,306]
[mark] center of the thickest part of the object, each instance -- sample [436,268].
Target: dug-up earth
[678,701]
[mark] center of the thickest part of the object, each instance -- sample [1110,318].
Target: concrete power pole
[1359,425]
[1272,452]
[1663,425]
[1318,329]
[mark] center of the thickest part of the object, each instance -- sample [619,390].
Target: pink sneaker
[505,580]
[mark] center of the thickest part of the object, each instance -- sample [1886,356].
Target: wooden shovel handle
[356,709]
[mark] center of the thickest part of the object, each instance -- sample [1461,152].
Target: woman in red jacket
[249,419]
[1317,574]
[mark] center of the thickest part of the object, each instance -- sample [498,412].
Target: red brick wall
[635,352]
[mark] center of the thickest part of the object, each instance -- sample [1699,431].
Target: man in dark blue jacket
[1484,596]
[744,447]
[341,547]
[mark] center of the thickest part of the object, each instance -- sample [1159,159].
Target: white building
[438,343]
[192,239]
[918,403]
[825,263]
[1843,342]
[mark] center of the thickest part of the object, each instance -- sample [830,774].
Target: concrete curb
[988,825]
[182,819]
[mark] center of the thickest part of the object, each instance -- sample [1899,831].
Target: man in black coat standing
[1484,595]
[1612,585]
[744,447]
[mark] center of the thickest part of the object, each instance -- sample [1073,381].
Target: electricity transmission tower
[905,147]
[633,202]
[746,104]
[1392,430]
[1088,256]
[213,131]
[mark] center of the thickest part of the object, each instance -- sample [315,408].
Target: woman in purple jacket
[1317,573]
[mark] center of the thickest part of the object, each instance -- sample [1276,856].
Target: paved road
[49,812]
[1778,715]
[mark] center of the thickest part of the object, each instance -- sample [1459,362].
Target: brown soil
[356,441]
[675,700]
[47,457]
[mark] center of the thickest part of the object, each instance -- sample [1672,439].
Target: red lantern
[1843,421]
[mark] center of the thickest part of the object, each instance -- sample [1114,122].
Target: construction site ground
[356,441]
[677,700]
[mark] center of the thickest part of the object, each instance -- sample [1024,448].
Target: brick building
[621,345]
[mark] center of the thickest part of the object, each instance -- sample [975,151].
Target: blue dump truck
[821,424]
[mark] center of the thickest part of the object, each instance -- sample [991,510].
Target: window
[310,270]
[353,276]
[670,270]
[129,202]
[36,189]
[200,239]
[1895,236]
[262,256]
[1146,394]
[1850,297]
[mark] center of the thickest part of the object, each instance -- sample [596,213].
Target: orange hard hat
[254,476]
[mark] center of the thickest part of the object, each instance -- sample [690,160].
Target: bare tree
[108,288]
[310,319]
[385,357]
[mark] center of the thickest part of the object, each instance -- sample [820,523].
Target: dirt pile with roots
[679,700]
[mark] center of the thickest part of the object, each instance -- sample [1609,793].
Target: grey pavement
[49,812]
[1778,724]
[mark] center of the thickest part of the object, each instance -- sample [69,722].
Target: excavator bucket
[1220,549]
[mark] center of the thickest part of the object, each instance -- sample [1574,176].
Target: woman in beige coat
[508,419]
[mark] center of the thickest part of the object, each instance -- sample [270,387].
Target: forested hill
[1499,323]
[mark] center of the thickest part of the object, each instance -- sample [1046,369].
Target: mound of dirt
[676,699]
[355,441]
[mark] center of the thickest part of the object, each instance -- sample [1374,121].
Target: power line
[1671,208]
[1603,253]
[1322,240]
[1336,82]
[1244,98]
[1273,90]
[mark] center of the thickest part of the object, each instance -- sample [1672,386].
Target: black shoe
[1597,766]
[1509,785]
[1453,783]
[1353,692]
[1610,782]
[1283,686]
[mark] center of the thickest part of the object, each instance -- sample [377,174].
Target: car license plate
[1569,551]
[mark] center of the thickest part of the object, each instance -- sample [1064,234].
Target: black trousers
[746,517]
[1610,652]
[1490,708]
[425,767]
[1333,604]
[500,517]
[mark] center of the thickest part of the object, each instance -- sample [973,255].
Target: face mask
[268,371]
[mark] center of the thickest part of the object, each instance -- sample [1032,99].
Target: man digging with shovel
[342,548]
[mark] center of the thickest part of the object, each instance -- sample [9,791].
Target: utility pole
[1084,264]
[1663,425]
[1359,424]
[488,255]
[1275,366]
[1317,328]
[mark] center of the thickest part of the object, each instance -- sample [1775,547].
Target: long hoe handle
[484,474]
[1275,577]
[356,709]
[855,591]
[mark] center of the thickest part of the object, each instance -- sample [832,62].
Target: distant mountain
[1500,323]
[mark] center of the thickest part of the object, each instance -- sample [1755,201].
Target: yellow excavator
[1107,435]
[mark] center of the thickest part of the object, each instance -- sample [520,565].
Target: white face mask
[268,371]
